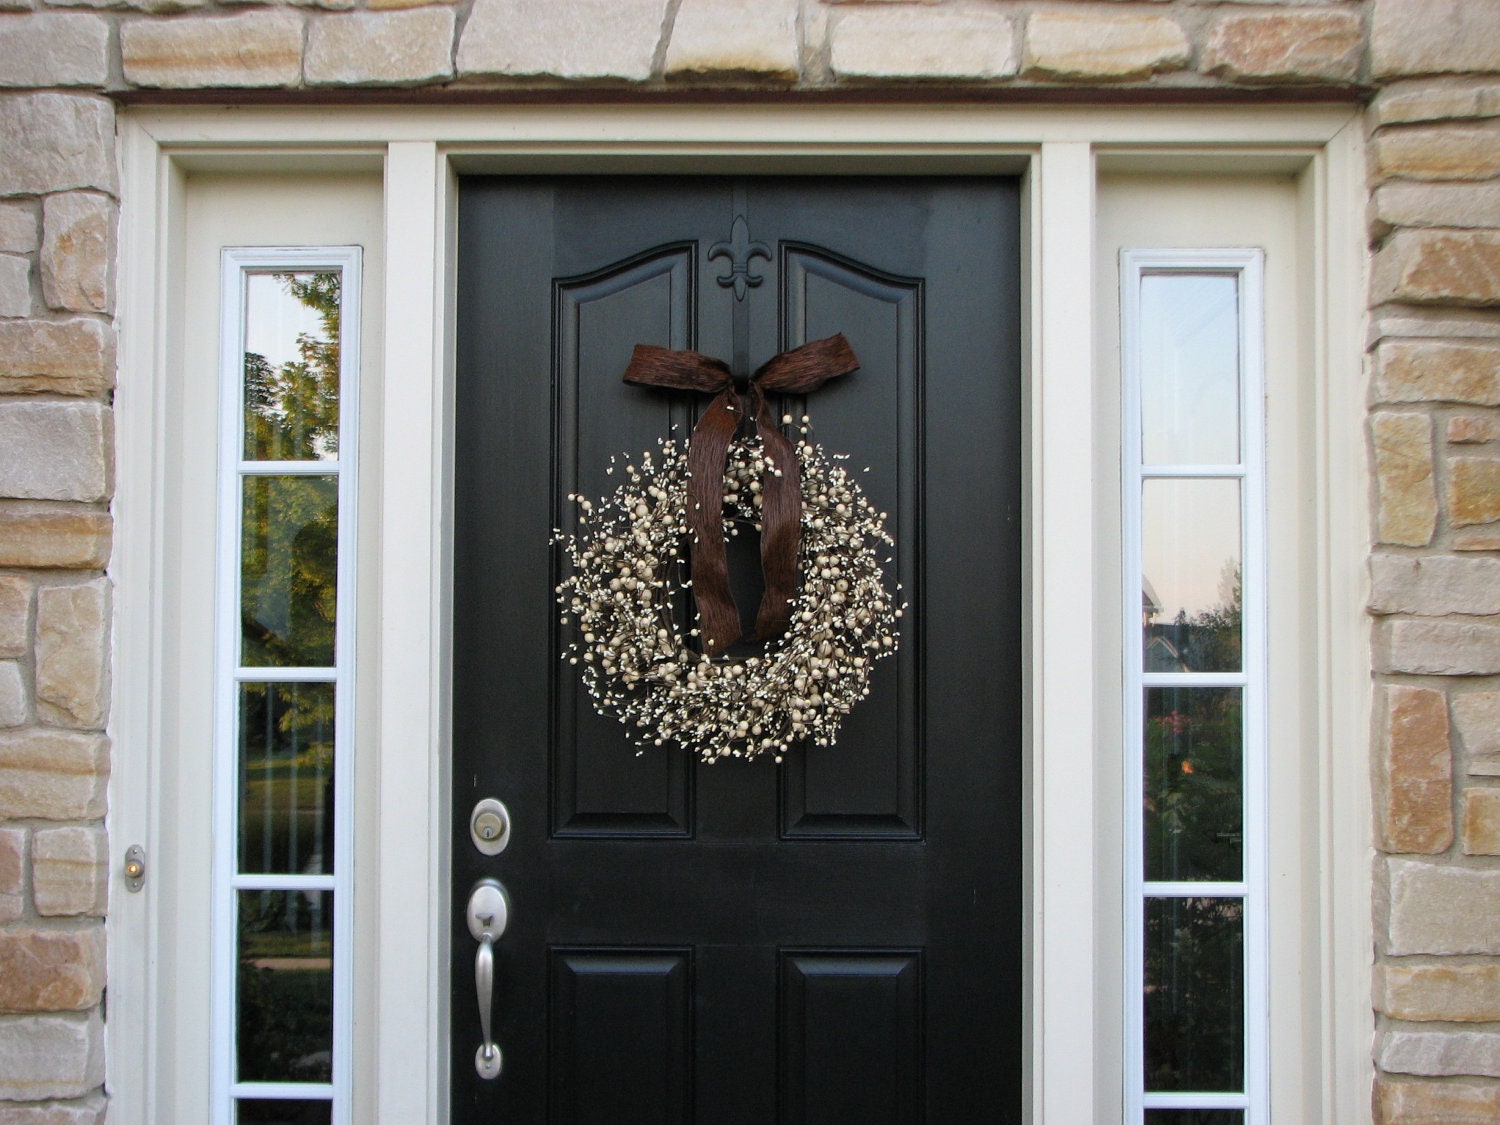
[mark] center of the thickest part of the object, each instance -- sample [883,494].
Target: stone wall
[1432,67]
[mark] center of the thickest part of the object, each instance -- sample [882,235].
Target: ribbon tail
[718,619]
[781,524]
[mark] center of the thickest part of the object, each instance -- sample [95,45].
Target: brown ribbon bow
[795,372]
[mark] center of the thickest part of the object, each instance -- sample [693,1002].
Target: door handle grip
[488,913]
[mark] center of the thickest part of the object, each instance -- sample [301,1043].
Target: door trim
[1070,889]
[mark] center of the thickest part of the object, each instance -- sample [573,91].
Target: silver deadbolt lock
[489,826]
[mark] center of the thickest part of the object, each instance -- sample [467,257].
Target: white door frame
[1070,879]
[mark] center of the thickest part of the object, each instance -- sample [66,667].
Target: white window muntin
[1246,267]
[239,265]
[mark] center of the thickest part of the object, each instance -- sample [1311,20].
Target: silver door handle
[488,913]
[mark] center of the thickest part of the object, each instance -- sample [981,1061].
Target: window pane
[292,366]
[284,1025]
[1195,995]
[1190,600]
[289,567]
[1195,1116]
[1194,809]
[277,1112]
[1190,369]
[286,778]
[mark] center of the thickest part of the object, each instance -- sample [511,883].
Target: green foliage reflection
[292,409]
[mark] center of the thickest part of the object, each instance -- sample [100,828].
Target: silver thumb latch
[489,911]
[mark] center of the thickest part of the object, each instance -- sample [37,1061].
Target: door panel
[833,939]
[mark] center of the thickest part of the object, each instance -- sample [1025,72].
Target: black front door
[834,939]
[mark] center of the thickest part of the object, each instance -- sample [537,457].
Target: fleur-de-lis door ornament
[741,252]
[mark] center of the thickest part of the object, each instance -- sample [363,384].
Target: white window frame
[1072,887]
[1247,266]
[238,264]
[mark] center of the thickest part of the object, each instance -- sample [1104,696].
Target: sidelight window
[283,721]
[1195,787]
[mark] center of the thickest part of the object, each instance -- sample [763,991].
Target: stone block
[1433,101]
[70,871]
[18,227]
[1416,812]
[1440,909]
[12,873]
[72,654]
[1406,511]
[1451,152]
[56,536]
[54,49]
[50,774]
[1406,1101]
[1481,824]
[82,1111]
[1405,203]
[1443,267]
[1463,992]
[15,616]
[1438,371]
[1438,648]
[52,1056]
[1434,1053]
[51,970]
[1434,586]
[907,42]
[1410,37]
[381,48]
[1286,46]
[78,235]
[67,357]
[56,142]
[756,38]
[1476,714]
[1097,46]
[378,5]
[54,450]
[254,49]
[1484,539]
[1473,491]
[1472,429]
[15,286]
[579,39]
[12,695]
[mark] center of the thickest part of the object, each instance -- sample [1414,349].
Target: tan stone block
[904,42]
[1102,46]
[1472,429]
[52,774]
[153,7]
[69,357]
[254,49]
[15,616]
[1438,1053]
[1481,825]
[52,1056]
[1437,648]
[18,229]
[1405,203]
[1444,152]
[1438,371]
[78,234]
[1434,586]
[1440,909]
[579,39]
[12,873]
[1439,267]
[1407,1101]
[15,286]
[51,971]
[54,49]
[1407,512]
[1476,714]
[1285,46]
[70,871]
[65,536]
[382,48]
[1473,491]
[1436,101]
[56,142]
[1409,37]
[1417,771]
[12,695]
[82,1111]
[1463,992]
[1485,539]
[749,37]
[54,450]
[379,5]
[72,654]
